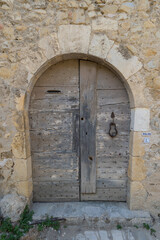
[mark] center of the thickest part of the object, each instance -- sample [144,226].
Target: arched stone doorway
[73,156]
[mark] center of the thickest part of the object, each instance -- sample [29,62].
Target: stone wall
[122,34]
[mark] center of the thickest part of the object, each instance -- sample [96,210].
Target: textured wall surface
[36,33]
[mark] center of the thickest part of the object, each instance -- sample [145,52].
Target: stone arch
[78,42]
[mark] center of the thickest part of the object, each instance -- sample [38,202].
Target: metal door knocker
[113,130]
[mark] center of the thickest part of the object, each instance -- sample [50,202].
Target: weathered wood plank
[116,161]
[118,108]
[88,101]
[107,79]
[111,173]
[64,73]
[58,92]
[54,122]
[75,142]
[64,160]
[59,121]
[107,194]
[46,141]
[109,183]
[112,146]
[49,174]
[105,97]
[122,125]
[56,191]
[66,100]
[112,153]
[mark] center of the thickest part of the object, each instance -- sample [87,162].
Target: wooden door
[111,154]
[74,158]
[54,131]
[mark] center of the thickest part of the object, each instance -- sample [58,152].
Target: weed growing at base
[15,232]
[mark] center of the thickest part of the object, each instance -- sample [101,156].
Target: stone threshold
[99,213]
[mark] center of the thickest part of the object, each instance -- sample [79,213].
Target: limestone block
[74,38]
[127,7]
[140,119]
[25,188]
[137,169]
[137,94]
[122,59]
[5,72]
[20,102]
[153,204]
[149,24]
[49,45]
[34,61]
[100,45]
[152,183]
[20,145]
[18,120]
[12,205]
[136,196]
[136,144]
[92,14]
[109,9]
[142,5]
[122,16]
[8,32]
[22,169]
[6,168]
[78,16]
[103,24]
[150,52]
[158,34]
[153,64]
[9,72]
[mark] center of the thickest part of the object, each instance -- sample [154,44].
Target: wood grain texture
[57,191]
[88,102]
[112,153]
[107,79]
[106,194]
[54,131]
[64,73]
[70,115]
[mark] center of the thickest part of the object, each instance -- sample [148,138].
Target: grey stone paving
[74,233]
[99,212]
[94,221]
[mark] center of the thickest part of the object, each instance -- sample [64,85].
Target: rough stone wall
[124,33]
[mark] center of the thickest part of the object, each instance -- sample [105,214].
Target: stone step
[101,213]
[77,232]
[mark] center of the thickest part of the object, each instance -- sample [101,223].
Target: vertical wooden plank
[88,104]
[54,131]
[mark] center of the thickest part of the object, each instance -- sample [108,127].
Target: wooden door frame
[134,123]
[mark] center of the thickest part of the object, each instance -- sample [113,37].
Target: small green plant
[15,232]
[10,232]
[6,225]
[119,226]
[135,226]
[153,231]
[146,226]
[49,222]
[25,219]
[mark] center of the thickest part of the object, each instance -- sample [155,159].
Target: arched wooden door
[74,158]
